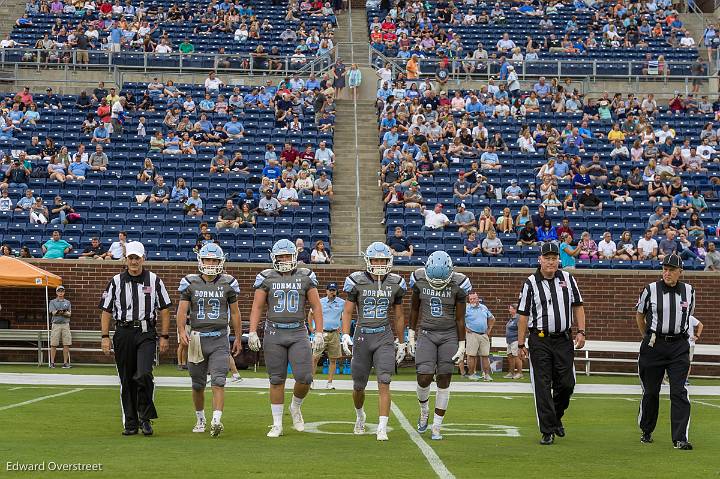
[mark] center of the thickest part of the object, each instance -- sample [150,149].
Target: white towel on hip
[195,354]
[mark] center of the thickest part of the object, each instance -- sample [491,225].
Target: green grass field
[490,435]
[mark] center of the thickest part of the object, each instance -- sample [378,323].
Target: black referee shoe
[547,439]
[129,432]
[646,438]
[146,427]
[684,445]
[560,430]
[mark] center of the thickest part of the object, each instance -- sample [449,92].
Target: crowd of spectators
[615,149]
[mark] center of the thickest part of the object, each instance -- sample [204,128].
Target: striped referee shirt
[667,309]
[548,302]
[135,298]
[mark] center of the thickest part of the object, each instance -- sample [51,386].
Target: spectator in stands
[56,247]
[94,250]
[219,163]
[435,219]
[588,247]
[39,213]
[288,195]
[160,192]
[505,223]
[26,202]
[18,175]
[399,244]
[247,216]
[148,171]
[78,169]
[547,232]
[5,201]
[194,204]
[213,84]
[98,160]
[269,205]
[323,186]
[465,220]
[100,135]
[228,217]
[472,245]
[303,255]
[319,254]
[607,248]
[712,258]
[567,252]
[492,245]
[324,157]
[61,212]
[180,192]
[527,235]
[589,201]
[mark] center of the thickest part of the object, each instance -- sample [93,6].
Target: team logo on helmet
[378,250]
[439,269]
[284,247]
[211,251]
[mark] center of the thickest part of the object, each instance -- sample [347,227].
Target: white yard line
[435,462]
[705,403]
[41,398]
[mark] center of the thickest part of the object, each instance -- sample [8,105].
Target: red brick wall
[609,296]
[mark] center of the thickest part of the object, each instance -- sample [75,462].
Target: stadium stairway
[351,188]
[10,11]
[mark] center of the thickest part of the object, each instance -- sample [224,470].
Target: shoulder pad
[395,278]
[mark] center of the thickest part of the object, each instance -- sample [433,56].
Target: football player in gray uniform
[373,293]
[437,315]
[206,300]
[285,290]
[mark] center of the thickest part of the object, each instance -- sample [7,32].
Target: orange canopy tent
[19,274]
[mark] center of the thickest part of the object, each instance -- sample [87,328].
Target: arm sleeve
[106,302]
[260,283]
[184,289]
[349,288]
[233,291]
[313,280]
[644,301]
[400,292]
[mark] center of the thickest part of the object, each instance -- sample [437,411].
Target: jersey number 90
[287,301]
[375,308]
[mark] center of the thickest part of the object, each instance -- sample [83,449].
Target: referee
[549,301]
[134,299]
[663,315]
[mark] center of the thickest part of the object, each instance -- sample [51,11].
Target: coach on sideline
[549,301]
[663,315]
[135,299]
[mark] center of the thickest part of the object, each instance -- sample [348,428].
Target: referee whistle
[541,334]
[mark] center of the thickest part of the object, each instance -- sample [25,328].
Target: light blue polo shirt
[332,312]
[476,318]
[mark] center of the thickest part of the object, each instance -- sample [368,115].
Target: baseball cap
[684,189]
[134,248]
[461,205]
[549,248]
[673,260]
[332,286]
[60,288]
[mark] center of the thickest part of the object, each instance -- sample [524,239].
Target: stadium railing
[39,339]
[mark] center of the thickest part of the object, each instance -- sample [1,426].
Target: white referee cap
[134,248]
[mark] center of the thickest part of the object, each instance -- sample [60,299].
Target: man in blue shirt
[478,323]
[312,82]
[384,92]
[272,171]
[390,139]
[332,308]
[234,128]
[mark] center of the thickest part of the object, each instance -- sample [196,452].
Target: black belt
[329,330]
[669,338]
[539,332]
[133,324]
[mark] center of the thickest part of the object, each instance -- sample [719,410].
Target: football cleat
[215,429]
[360,425]
[297,419]
[435,433]
[199,426]
[381,434]
[422,423]
[275,431]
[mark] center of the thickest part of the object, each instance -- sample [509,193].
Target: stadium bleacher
[107,203]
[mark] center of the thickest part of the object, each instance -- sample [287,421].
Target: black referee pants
[653,361]
[134,357]
[553,378]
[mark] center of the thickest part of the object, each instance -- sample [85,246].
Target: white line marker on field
[705,403]
[429,453]
[41,398]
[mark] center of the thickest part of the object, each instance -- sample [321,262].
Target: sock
[217,415]
[360,413]
[437,420]
[296,401]
[382,422]
[277,414]
[442,398]
[200,416]
[423,395]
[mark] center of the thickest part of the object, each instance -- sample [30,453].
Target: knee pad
[360,383]
[218,381]
[198,385]
[384,378]
[305,379]
[442,398]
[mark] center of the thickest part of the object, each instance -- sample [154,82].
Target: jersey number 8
[287,301]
